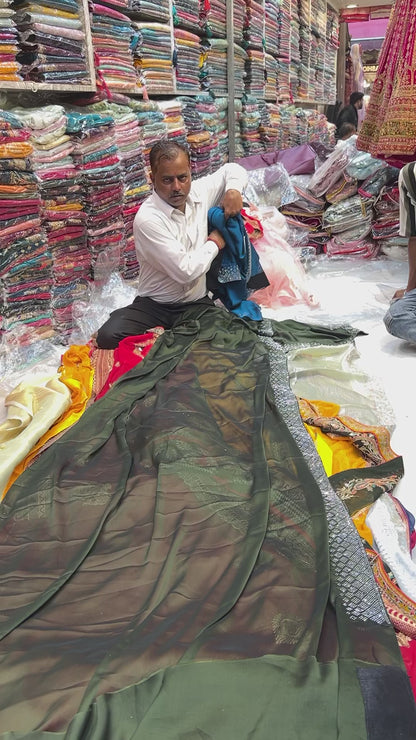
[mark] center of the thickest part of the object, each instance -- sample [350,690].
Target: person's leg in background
[400,319]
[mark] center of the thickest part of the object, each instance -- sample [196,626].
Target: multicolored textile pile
[173,119]
[25,260]
[52,42]
[111,33]
[187,60]
[250,125]
[63,214]
[159,11]
[271,71]
[153,57]
[186,14]
[213,73]
[212,18]
[135,181]
[255,73]
[9,46]
[151,122]
[253,24]
[271,26]
[98,163]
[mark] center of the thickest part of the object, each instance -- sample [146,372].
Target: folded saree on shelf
[177,565]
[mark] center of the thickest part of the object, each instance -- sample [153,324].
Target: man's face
[172,180]
[360,104]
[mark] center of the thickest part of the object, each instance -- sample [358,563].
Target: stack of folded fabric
[212,18]
[271,26]
[270,89]
[239,15]
[255,73]
[294,51]
[98,164]
[221,129]
[153,57]
[199,139]
[152,126]
[305,214]
[175,124]
[63,214]
[9,45]
[283,52]
[213,112]
[186,13]
[111,33]
[386,223]
[213,71]
[275,118]
[304,50]
[25,262]
[319,69]
[136,187]
[188,53]
[253,24]
[52,41]
[249,125]
[238,109]
[159,11]
[269,134]
[349,225]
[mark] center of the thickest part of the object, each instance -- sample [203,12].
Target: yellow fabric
[76,374]
[337,454]
[31,409]
[363,529]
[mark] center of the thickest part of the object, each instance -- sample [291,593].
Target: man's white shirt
[172,247]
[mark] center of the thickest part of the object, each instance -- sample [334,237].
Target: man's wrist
[216,242]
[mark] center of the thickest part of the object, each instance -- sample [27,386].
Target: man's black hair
[165,149]
[355,96]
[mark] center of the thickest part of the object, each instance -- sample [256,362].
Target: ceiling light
[352,6]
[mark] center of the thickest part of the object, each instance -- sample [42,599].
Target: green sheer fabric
[166,570]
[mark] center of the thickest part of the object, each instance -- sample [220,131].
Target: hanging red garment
[389,127]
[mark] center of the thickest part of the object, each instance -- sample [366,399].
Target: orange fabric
[77,374]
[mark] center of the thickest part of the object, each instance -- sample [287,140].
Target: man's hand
[232,203]
[398,294]
[218,238]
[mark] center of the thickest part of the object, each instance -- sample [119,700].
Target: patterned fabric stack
[239,16]
[198,137]
[135,183]
[331,48]
[186,14]
[255,73]
[294,50]
[63,214]
[271,26]
[253,24]
[98,163]
[212,18]
[269,131]
[385,226]
[304,49]
[250,123]
[270,90]
[283,52]
[239,148]
[153,57]
[111,33]
[152,125]
[52,42]
[188,53]
[213,72]
[159,11]
[221,105]
[175,125]
[9,47]
[25,262]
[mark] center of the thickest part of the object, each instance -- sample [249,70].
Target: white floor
[358,292]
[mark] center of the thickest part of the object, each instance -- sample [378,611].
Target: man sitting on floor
[173,246]
[400,319]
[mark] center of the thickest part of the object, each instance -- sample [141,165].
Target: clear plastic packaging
[270,186]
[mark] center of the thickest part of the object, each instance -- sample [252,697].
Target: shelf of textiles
[46,47]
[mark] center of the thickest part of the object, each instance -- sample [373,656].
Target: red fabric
[409,657]
[128,354]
